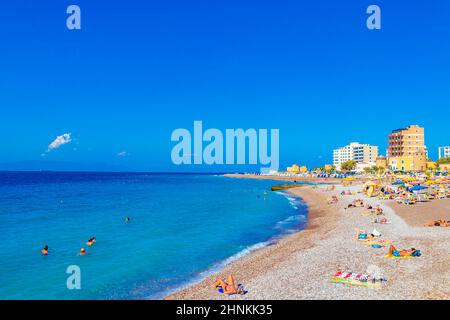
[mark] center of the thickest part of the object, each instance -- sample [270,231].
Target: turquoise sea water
[181,228]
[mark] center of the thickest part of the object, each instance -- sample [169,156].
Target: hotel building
[407,150]
[355,151]
[444,152]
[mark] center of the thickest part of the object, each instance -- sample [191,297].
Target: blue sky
[140,69]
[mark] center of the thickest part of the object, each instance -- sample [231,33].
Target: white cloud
[59,141]
[122,154]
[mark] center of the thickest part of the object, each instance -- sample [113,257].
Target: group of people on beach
[373,238]
[90,242]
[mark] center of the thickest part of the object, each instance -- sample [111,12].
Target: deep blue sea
[182,227]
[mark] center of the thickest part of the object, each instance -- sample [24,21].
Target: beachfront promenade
[300,266]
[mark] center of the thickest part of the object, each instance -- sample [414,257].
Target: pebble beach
[300,265]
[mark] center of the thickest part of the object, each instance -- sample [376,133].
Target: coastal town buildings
[407,150]
[355,151]
[444,152]
[295,168]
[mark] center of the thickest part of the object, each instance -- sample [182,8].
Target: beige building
[407,150]
[381,162]
[295,168]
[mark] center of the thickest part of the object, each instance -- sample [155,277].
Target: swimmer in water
[127,219]
[45,250]
[91,241]
[82,252]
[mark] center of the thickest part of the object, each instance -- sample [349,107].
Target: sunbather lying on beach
[377,211]
[362,235]
[438,223]
[333,200]
[405,253]
[355,204]
[358,203]
[382,221]
[228,287]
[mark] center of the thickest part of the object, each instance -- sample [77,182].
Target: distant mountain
[37,165]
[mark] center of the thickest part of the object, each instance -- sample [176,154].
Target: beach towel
[357,279]
[382,243]
[371,213]
[395,254]
[397,257]
[382,221]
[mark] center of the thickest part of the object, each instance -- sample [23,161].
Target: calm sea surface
[182,227]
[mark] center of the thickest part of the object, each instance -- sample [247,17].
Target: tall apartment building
[407,150]
[444,152]
[355,151]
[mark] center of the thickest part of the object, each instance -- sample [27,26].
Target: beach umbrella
[398,182]
[418,188]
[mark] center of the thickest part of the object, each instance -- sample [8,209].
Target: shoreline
[300,264]
[267,257]
[284,178]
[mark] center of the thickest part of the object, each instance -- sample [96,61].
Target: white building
[355,151]
[444,152]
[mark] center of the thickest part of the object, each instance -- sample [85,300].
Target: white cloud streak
[59,141]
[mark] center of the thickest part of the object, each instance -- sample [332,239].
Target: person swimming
[91,241]
[127,219]
[44,250]
[82,252]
